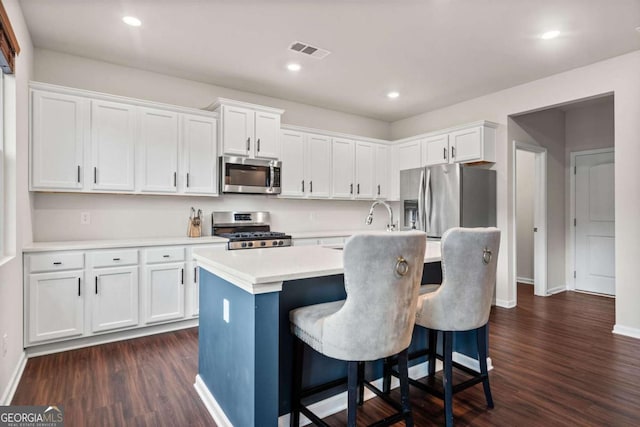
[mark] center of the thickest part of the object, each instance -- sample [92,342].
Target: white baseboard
[57,347]
[626,331]
[557,290]
[7,395]
[470,362]
[504,303]
[210,402]
[525,280]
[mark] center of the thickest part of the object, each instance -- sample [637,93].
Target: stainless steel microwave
[249,176]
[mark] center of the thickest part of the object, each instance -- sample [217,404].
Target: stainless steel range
[247,230]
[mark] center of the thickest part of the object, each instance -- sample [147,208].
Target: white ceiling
[434,52]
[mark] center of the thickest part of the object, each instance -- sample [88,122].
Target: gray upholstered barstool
[461,303]
[382,273]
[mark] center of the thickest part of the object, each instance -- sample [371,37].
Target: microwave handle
[272,176]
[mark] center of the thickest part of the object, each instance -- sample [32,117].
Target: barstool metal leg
[447,378]
[403,370]
[433,339]
[360,383]
[352,393]
[482,359]
[296,382]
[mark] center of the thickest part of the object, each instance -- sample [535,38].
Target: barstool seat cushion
[307,322]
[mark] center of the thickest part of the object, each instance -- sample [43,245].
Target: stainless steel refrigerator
[436,198]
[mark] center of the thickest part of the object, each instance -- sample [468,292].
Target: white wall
[16,144]
[57,216]
[547,129]
[525,173]
[590,126]
[620,76]
[75,71]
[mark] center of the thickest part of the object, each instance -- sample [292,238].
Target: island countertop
[263,270]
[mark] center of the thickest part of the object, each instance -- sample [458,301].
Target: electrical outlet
[5,345]
[85,218]
[225,310]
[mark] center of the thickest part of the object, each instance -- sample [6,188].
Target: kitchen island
[245,347]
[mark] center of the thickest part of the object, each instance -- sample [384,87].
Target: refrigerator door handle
[428,202]
[421,192]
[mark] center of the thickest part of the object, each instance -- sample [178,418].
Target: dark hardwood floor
[556,363]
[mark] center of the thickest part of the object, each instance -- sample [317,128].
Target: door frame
[571,230]
[539,218]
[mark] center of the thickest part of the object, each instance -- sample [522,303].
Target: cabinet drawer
[166,254]
[114,258]
[54,261]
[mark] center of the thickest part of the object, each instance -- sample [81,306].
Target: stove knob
[263,243]
[280,243]
[274,243]
[243,244]
[250,244]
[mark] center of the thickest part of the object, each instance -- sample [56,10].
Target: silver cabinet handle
[78,286]
[248,143]
[258,144]
[310,186]
[195,274]
[351,188]
[96,285]
[175,179]
[187,179]
[358,188]
[453,152]
[95,175]
[166,256]
[182,276]
[303,185]
[78,174]
[57,263]
[444,153]
[378,189]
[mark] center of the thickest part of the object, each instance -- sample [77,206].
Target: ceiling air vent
[307,49]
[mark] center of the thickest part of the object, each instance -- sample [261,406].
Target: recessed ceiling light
[550,35]
[393,94]
[638,29]
[293,66]
[132,20]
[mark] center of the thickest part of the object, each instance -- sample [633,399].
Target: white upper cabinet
[342,160]
[467,145]
[318,169]
[293,163]
[248,130]
[158,139]
[381,171]
[409,155]
[364,166]
[267,129]
[199,155]
[435,150]
[58,131]
[306,165]
[112,146]
[237,130]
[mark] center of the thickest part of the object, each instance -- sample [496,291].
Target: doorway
[592,203]
[538,202]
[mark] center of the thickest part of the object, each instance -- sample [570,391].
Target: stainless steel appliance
[436,198]
[247,230]
[252,176]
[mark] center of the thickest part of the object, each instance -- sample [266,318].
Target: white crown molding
[233,103]
[333,134]
[484,123]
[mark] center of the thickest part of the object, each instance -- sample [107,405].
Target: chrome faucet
[391,226]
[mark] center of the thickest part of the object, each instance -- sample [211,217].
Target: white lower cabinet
[56,305]
[164,292]
[114,302]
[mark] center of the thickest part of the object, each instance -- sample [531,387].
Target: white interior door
[594,223]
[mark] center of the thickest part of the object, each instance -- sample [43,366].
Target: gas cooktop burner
[247,230]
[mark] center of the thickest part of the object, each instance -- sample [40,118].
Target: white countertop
[263,270]
[121,243]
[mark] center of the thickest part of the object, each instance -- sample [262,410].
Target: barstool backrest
[463,301]
[382,275]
